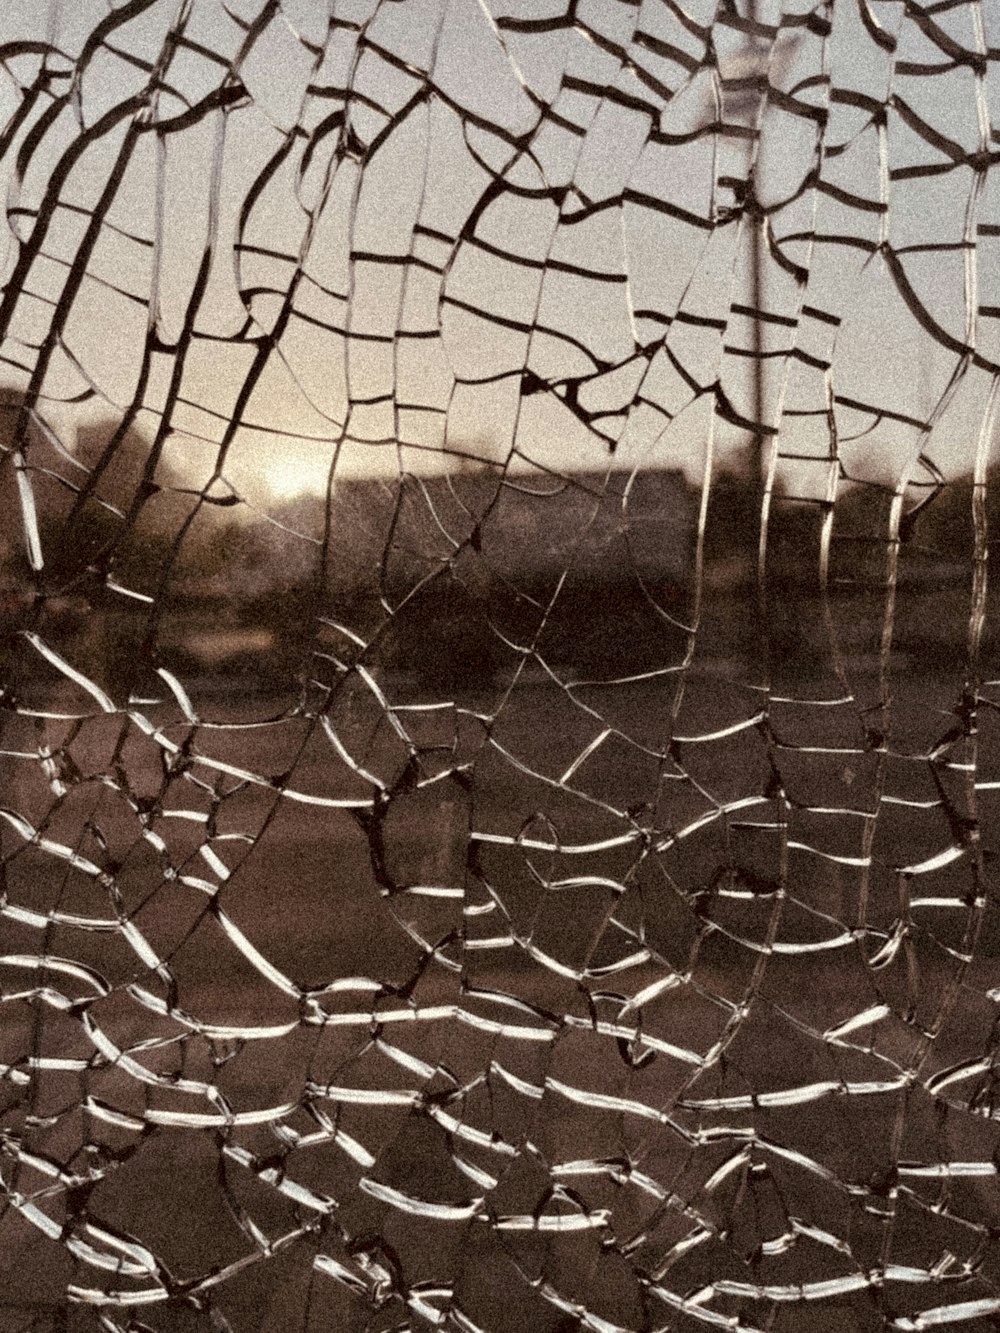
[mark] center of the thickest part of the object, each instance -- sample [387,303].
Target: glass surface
[499,705]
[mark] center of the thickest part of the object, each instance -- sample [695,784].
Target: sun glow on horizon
[288,474]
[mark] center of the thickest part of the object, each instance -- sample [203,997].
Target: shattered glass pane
[499,697]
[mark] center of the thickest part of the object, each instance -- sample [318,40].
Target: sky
[512,245]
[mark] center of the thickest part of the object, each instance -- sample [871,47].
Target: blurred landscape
[455,580]
[499,707]
[447,868]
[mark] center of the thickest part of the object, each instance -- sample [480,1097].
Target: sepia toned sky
[405,233]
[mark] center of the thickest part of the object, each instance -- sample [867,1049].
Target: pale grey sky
[431,352]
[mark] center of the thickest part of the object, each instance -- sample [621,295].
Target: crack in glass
[499,724]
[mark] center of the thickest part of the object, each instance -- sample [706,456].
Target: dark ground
[636,1108]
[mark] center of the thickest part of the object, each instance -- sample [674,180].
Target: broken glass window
[499,706]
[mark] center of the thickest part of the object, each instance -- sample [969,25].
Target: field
[451,995]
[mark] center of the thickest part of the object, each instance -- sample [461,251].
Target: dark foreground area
[550,1007]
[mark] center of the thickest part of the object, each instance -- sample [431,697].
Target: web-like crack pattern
[499,744]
